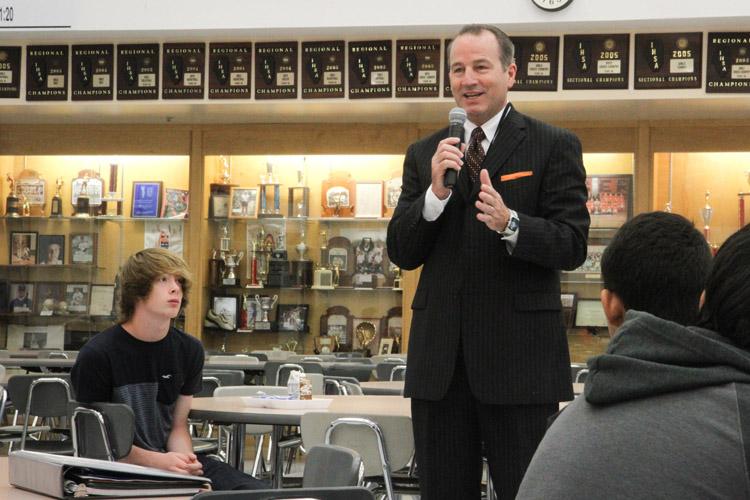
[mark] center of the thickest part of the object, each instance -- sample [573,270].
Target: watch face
[552,4]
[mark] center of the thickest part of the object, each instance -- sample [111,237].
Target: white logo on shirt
[166,377]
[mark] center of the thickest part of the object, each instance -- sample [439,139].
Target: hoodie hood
[650,356]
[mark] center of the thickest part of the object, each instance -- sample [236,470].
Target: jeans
[225,477]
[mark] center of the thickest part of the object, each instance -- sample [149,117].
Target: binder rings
[74,477]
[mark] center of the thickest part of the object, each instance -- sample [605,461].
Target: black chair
[46,397]
[226,377]
[340,493]
[277,372]
[104,431]
[383,369]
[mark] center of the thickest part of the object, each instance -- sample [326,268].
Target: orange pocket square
[516,175]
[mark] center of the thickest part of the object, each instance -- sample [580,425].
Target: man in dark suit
[488,356]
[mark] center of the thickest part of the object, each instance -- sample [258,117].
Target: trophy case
[298,258]
[610,185]
[69,223]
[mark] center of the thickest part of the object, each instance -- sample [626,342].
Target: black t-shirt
[116,367]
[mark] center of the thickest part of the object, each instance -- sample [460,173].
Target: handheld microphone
[456,119]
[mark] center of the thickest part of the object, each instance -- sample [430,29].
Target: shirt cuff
[433,206]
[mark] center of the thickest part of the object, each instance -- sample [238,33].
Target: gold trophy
[83,202]
[12,201]
[56,205]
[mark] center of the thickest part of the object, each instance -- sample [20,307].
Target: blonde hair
[138,273]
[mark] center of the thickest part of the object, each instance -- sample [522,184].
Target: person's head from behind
[726,305]
[142,271]
[657,263]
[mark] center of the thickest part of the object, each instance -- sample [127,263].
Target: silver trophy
[265,304]
[231,261]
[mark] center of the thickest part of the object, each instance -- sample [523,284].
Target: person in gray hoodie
[666,410]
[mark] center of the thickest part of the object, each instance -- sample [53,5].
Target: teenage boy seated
[154,368]
[664,410]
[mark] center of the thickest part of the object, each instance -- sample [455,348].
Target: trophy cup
[741,200]
[302,268]
[707,212]
[56,205]
[232,260]
[12,201]
[265,304]
[83,203]
[323,277]
[365,332]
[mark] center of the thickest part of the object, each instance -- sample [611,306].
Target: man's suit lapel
[512,132]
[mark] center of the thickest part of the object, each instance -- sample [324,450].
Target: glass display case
[69,222]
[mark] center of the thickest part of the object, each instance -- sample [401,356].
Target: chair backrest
[384,368]
[231,358]
[277,372]
[343,386]
[328,465]
[348,355]
[581,376]
[208,387]
[51,394]
[262,356]
[389,358]
[104,431]
[226,377]
[396,430]
[398,372]
[250,390]
[338,493]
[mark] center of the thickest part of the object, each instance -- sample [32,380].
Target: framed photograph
[369,263]
[610,200]
[23,248]
[83,248]
[568,301]
[164,234]
[385,347]
[176,203]
[369,200]
[28,337]
[4,295]
[590,314]
[51,249]
[229,305]
[243,202]
[338,196]
[219,206]
[292,317]
[21,297]
[102,301]
[591,269]
[146,199]
[392,192]
[77,297]
[49,297]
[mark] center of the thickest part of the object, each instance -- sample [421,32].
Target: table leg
[277,458]
[237,448]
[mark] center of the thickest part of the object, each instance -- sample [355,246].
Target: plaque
[10,72]
[668,60]
[322,70]
[47,73]
[146,199]
[32,189]
[370,263]
[391,194]
[276,70]
[418,71]
[596,62]
[92,73]
[340,259]
[370,69]
[229,70]
[336,322]
[537,62]
[338,195]
[182,69]
[366,334]
[728,65]
[88,185]
[447,69]
[138,71]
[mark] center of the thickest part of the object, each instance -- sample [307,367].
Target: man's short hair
[658,263]
[504,44]
[138,273]
[726,309]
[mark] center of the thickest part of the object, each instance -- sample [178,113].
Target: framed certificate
[102,300]
[146,199]
[369,197]
[590,314]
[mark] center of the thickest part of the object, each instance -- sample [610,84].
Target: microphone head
[457,116]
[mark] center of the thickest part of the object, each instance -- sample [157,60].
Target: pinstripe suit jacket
[504,309]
